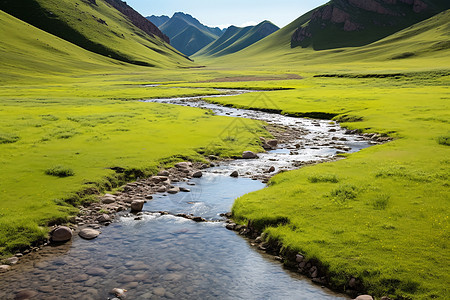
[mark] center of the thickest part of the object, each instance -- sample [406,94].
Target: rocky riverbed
[157,231]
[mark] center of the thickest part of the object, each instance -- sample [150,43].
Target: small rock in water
[231,226]
[364,297]
[198,219]
[12,260]
[159,292]
[249,155]
[25,294]
[271,169]
[161,189]
[4,268]
[89,233]
[235,174]
[273,143]
[103,218]
[197,174]
[96,272]
[61,234]
[118,292]
[185,190]
[137,205]
[174,190]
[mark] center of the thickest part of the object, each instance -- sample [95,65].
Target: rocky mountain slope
[346,23]
[235,39]
[187,34]
[97,26]
[138,20]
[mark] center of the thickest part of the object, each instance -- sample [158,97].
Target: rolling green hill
[27,52]
[235,39]
[187,34]
[425,41]
[350,23]
[98,27]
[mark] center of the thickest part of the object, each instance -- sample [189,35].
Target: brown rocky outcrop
[334,25]
[138,20]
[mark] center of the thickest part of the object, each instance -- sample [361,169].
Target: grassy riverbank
[381,215]
[62,139]
[67,117]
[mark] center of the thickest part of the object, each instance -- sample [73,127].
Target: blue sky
[229,12]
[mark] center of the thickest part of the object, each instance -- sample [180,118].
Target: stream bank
[138,247]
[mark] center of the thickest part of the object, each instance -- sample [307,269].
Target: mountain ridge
[158,20]
[236,38]
[197,34]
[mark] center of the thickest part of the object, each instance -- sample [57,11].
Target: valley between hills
[73,127]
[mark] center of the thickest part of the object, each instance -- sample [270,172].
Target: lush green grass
[67,111]
[380,215]
[78,139]
[98,28]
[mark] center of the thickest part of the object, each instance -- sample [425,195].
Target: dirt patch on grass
[255,78]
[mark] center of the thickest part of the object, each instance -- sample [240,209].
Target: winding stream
[167,257]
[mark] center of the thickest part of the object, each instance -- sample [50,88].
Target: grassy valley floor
[381,215]
[59,142]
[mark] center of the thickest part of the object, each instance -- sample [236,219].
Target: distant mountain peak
[187,34]
[237,38]
[158,20]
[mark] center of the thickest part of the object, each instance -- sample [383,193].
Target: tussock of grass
[60,171]
[7,138]
[343,194]
[323,178]
[444,140]
[381,201]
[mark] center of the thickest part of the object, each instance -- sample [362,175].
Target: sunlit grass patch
[60,171]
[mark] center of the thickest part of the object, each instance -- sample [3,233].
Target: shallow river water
[167,257]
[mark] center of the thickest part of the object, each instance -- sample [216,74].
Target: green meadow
[379,215]
[60,142]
